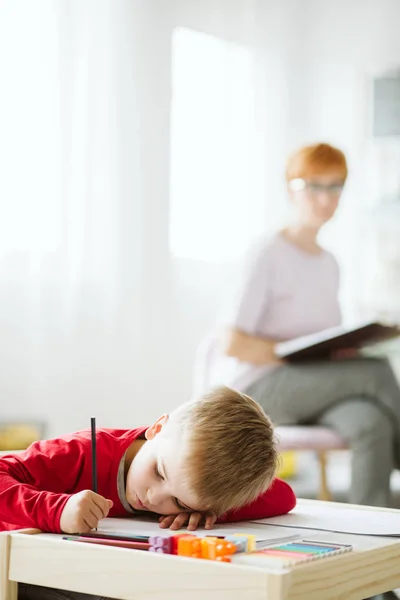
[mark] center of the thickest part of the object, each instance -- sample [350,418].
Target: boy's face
[156,481]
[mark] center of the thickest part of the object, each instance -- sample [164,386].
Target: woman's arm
[249,348]
[241,337]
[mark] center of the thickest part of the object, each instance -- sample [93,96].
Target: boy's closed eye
[157,472]
[162,474]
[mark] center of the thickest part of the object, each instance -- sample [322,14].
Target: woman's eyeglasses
[315,188]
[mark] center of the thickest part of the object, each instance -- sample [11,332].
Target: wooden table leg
[8,589]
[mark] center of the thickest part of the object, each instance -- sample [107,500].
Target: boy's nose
[155,498]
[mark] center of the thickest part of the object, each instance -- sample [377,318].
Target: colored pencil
[115,536]
[108,542]
[94,454]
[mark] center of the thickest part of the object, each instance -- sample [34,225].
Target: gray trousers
[359,398]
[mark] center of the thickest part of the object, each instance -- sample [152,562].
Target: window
[30,126]
[213,211]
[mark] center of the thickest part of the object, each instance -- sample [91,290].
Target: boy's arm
[33,484]
[279,499]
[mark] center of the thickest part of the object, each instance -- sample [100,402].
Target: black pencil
[94,455]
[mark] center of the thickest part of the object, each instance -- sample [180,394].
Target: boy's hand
[188,520]
[83,511]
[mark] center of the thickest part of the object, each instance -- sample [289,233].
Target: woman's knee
[385,373]
[358,418]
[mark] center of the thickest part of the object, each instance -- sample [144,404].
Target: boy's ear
[154,429]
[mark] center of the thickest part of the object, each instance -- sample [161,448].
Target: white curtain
[96,315]
[72,104]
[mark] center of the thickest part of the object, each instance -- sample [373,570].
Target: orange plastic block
[175,541]
[226,559]
[189,545]
[216,549]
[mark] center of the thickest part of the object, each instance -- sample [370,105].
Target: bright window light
[30,126]
[213,215]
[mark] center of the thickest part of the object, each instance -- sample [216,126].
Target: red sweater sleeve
[36,484]
[279,499]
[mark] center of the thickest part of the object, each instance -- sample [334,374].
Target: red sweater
[36,484]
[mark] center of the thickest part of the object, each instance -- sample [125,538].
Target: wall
[321,55]
[312,58]
[337,49]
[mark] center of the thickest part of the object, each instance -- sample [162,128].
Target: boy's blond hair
[232,456]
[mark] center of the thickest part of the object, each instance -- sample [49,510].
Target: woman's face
[316,198]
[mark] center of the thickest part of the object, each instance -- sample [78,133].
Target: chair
[315,438]
[20,434]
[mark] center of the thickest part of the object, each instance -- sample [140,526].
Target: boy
[212,459]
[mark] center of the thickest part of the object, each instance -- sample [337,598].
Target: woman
[290,289]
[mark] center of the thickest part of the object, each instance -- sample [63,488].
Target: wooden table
[32,557]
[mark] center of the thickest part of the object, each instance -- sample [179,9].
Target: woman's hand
[344,353]
[252,349]
[188,520]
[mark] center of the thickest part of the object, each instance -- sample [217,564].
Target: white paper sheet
[339,518]
[143,526]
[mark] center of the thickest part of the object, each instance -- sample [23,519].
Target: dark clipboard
[321,345]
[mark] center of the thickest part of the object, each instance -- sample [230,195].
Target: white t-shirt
[284,292]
